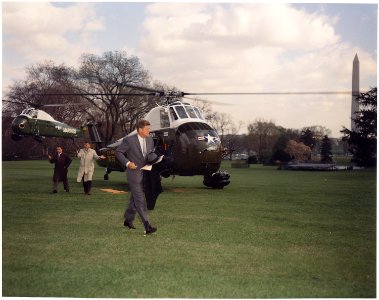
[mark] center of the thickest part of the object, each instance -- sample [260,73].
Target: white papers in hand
[149,167]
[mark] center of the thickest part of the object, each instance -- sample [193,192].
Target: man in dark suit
[133,153]
[62,161]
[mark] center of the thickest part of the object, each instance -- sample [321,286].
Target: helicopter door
[165,122]
[33,121]
[163,140]
[34,126]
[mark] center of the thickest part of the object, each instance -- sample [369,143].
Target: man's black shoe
[150,230]
[129,225]
[55,191]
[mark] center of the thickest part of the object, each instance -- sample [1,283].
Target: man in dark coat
[62,161]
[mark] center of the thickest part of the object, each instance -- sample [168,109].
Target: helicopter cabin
[173,115]
[33,113]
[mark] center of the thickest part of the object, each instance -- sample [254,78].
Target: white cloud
[25,18]
[252,48]
[39,31]
[249,40]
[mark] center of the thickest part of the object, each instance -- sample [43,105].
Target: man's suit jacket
[61,166]
[130,150]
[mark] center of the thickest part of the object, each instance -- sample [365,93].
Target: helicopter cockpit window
[165,122]
[190,111]
[31,112]
[181,112]
[173,114]
[199,115]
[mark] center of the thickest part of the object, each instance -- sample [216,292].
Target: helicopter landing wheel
[216,180]
[106,175]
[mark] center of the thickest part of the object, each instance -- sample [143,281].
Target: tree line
[273,143]
[103,80]
[268,143]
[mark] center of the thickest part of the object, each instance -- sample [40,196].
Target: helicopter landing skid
[217,180]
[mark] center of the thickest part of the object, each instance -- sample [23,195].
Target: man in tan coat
[87,166]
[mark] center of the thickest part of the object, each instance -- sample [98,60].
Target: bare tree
[110,76]
[43,85]
[263,135]
[319,131]
[225,127]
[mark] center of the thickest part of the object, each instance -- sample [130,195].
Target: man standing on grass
[62,161]
[133,153]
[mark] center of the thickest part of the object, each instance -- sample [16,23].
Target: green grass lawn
[269,234]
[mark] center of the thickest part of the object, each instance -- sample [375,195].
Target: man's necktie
[144,148]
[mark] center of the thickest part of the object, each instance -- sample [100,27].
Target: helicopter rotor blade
[16,102]
[10,101]
[39,106]
[142,88]
[25,103]
[274,93]
[107,94]
[62,104]
[176,94]
[36,105]
[208,101]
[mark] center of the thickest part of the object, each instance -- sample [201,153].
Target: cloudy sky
[213,47]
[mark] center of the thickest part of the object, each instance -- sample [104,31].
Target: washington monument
[354,91]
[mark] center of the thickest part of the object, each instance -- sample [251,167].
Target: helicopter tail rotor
[94,134]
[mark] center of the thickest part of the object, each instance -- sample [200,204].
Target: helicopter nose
[19,125]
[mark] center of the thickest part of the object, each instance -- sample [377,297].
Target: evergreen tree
[326,150]
[362,141]
[307,137]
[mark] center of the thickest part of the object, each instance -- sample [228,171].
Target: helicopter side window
[181,112]
[173,114]
[165,122]
[190,111]
[199,115]
[31,112]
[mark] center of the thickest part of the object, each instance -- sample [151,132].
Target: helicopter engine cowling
[20,125]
